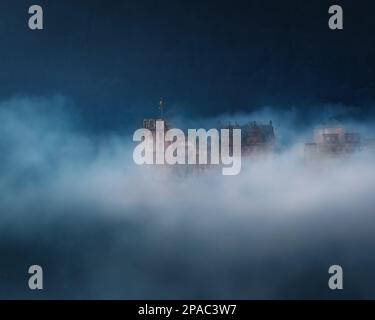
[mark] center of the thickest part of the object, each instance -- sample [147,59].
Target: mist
[103,228]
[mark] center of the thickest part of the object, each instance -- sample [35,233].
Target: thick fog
[101,227]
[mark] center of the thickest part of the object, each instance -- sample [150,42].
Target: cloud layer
[102,227]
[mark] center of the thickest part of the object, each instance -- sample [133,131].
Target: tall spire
[161,107]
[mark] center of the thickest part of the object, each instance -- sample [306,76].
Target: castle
[256,139]
[332,142]
[259,139]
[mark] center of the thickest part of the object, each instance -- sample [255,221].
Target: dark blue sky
[114,59]
[102,229]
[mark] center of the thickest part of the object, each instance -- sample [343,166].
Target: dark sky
[102,229]
[114,59]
